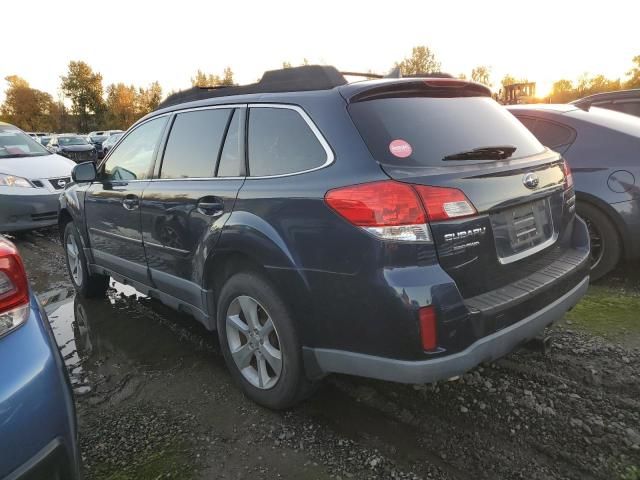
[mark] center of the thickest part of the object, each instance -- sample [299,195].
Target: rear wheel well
[222,267]
[609,213]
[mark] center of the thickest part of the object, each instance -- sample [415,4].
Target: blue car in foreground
[37,415]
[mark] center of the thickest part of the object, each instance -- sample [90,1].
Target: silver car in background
[31,179]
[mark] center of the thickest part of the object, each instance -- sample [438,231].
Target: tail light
[444,203]
[568,176]
[14,288]
[428,332]
[398,211]
[389,210]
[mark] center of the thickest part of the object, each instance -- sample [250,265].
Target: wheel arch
[71,210]
[612,214]
[64,217]
[248,247]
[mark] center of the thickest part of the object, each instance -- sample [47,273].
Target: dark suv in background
[400,229]
[75,147]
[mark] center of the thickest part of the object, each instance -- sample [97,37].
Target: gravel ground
[155,401]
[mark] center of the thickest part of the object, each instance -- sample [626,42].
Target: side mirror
[84,172]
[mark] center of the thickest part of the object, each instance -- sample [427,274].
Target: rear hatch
[446,133]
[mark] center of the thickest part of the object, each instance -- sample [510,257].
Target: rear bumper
[52,461]
[27,212]
[486,349]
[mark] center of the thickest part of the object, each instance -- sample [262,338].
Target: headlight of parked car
[14,289]
[13,181]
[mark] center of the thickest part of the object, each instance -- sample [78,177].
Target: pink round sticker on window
[400,148]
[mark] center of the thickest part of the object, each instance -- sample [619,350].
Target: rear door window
[282,142]
[632,107]
[232,156]
[421,131]
[194,143]
[552,134]
[528,122]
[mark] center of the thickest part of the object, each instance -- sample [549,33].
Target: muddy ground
[155,400]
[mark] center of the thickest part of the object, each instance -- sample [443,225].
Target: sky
[138,42]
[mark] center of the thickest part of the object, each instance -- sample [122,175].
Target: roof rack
[304,78]
[295,79]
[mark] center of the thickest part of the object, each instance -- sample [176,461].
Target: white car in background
[31,179]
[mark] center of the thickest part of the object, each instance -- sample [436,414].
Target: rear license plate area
[522,230]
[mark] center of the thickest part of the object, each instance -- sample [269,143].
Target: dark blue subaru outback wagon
[404,229]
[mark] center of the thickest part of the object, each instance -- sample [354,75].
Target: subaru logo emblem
[530,180]
[62,182]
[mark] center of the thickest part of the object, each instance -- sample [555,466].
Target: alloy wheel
[73,260]
[253,342]
[597,243]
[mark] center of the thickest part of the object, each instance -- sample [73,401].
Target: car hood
[77,148]
[46,166]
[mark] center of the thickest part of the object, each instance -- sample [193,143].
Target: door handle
[210,206]
[130,202]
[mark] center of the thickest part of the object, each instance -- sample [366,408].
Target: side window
[232,155]
[607,104]
[194,144]
[553,135]
[281,141]
[132,159]
[530,123]
[631,107]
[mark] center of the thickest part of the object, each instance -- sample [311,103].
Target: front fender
[72,205]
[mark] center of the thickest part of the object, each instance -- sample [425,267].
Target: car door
[112,204]
[193,193]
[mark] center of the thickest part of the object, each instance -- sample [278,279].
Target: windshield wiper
[498,152]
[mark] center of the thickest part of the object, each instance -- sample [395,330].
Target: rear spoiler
[436,87]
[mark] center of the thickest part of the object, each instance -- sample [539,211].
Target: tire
[283,389]
[606,247]
[87,285]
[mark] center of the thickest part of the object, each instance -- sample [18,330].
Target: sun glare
[543,89]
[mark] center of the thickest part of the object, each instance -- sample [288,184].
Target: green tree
[83,87]
[122,103]
[634,73]
[227,77]
[203,79]
[508,79]
[588,85]
[422,60]
[149,98]
[482,74]
[26,107]
[562,91]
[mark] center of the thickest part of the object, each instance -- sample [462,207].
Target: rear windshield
[422,131]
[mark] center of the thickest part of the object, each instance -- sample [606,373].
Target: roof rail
[295,79]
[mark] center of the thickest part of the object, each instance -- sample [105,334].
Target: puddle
[123,333]
[60,307]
